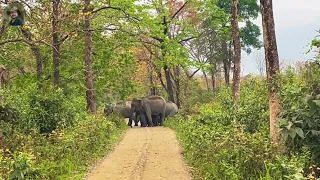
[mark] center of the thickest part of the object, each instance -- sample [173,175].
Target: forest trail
[144,154]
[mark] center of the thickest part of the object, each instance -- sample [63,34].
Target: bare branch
[191,75]
[116,8]
[179,10]
[15,40]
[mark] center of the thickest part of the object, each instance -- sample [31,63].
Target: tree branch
[115,8]
[15,40]
[179,10]
[191,75]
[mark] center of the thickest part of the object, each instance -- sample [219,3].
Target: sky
[296,23]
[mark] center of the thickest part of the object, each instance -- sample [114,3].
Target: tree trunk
[169,83]
[90,94]
[177,85]
[213,79]
[150,74]
[226,62]
[56,43]
[36,52]
[272,64]
[237,52]
[206,79]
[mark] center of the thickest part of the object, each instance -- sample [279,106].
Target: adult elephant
[124,109]
[148,106]
[171,110]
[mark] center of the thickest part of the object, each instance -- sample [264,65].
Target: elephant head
[108,109]
[137,105]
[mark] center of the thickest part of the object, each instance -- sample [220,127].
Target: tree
[237,52]
[90,93]
[272,62]
[260,62]
[55,41]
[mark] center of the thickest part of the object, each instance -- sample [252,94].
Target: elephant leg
[157,120]
[136,120]
[143,120]
[154,120]
[148,113]
[130,122]
[161,119]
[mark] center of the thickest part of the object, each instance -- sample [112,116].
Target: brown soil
[144,154]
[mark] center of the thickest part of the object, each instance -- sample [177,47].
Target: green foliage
[222,140]
[21,166]
[40,107]
[64,153]
[253,109]
[299,124]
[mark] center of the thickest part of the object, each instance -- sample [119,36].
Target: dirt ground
[144,154]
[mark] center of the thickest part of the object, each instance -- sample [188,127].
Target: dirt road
[144,154]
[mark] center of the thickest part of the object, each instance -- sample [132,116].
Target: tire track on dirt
[144,154]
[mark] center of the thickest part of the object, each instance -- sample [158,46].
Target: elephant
[124,109]
[148,106]
[171,110]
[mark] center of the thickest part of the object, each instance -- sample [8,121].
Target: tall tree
[237,51]
[90,93]
[272,64]
[55,40]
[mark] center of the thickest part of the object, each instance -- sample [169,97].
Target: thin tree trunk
[237,52]
[213,79]
[272,64]
[90,94]
[56,43]
[36,52]
[206,79]
[169,83]
[226,63]
[177,85]
[150,74]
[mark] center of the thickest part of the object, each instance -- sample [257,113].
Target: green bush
[300,116]
[63,154]
[227,141]
[40,107]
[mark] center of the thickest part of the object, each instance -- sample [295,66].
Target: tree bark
[206,79]
[177,85]
[237,51]
[226,62]
[90,93]
[56,43]
[272,64]
[150,74]
[169,83]
[36,52]
[213,79]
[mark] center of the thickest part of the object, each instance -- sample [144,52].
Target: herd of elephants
[150,110]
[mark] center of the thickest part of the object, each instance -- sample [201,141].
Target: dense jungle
[66,65]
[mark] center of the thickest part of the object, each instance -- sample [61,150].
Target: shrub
[63,154]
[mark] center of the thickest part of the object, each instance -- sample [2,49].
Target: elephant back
[171,109]
[124,108]
[156,103]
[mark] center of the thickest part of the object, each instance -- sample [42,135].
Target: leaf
[285,135]
[307,98]
[316,133]
[292,133]
[299,131]
[317,102]
[289,125]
